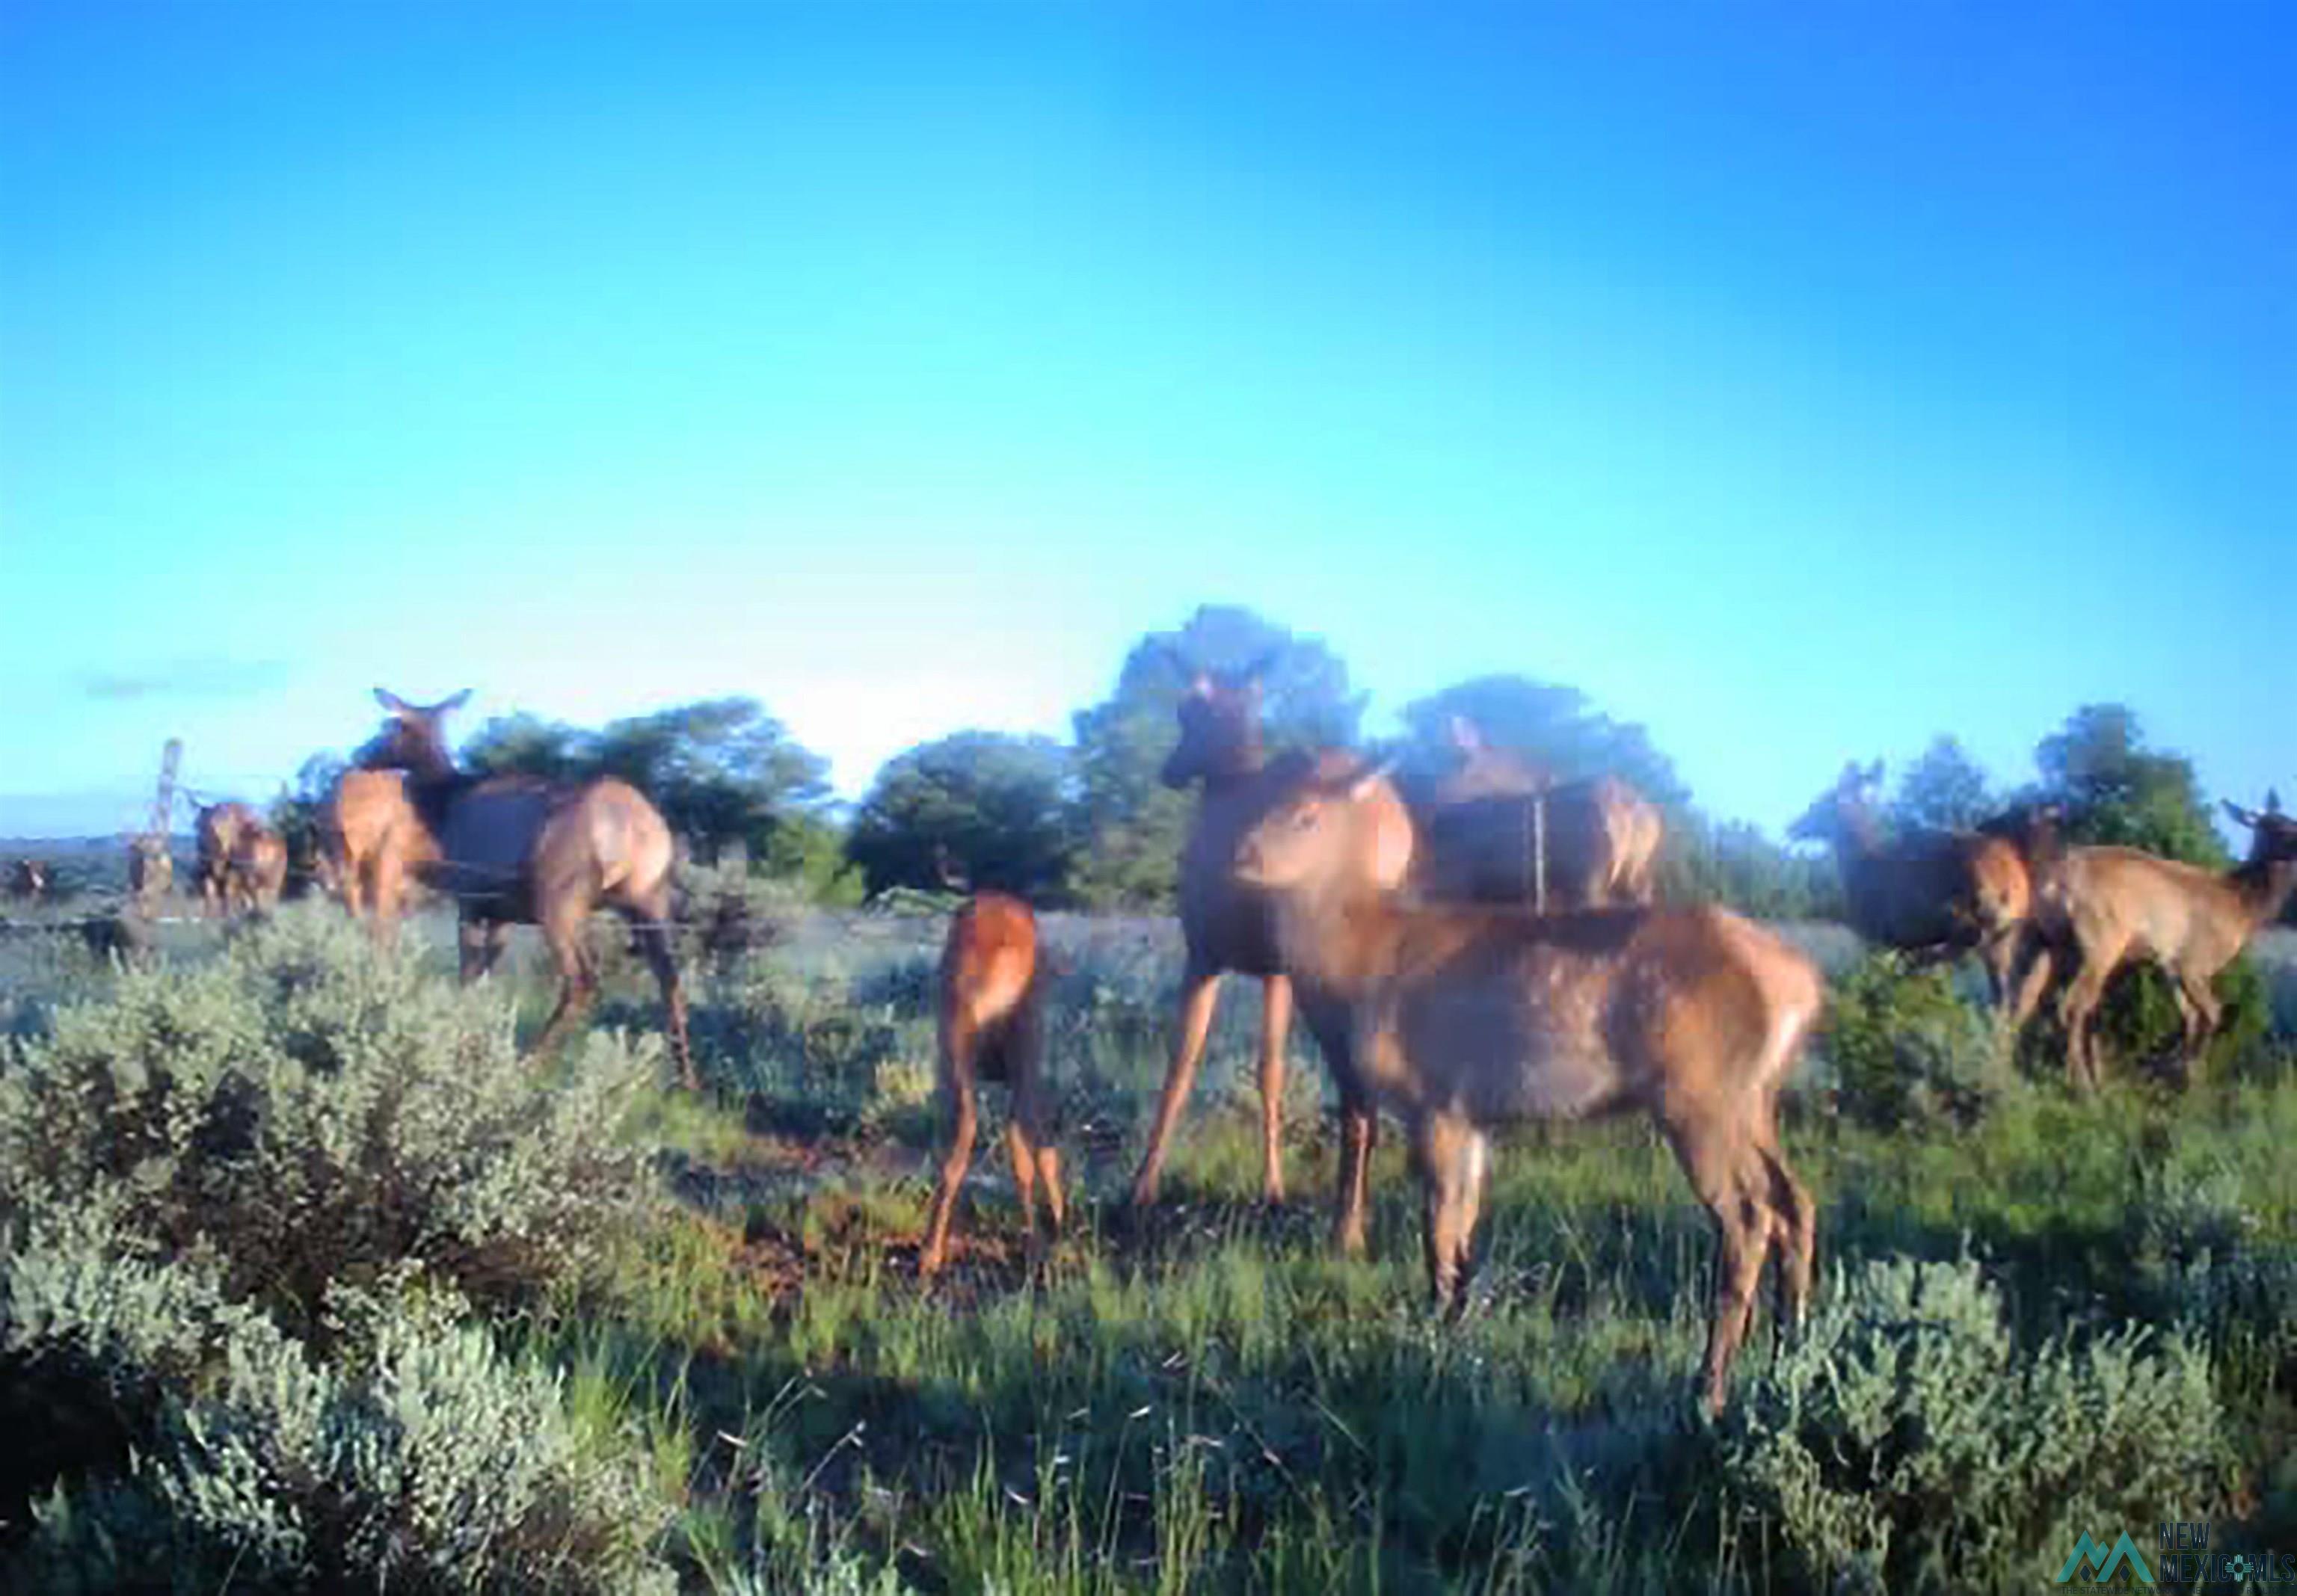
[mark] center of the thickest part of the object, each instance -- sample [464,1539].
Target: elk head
[413,737]
[2273,836]
[1839,807]
[1220,722]
[1336,829]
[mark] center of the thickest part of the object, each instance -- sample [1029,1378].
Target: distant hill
[91,864]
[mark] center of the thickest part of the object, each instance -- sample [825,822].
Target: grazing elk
[1225,925]
[1459,1019]
[991,1028]
[217,830]
[374,847]
[2102,908]
[1498,830]
[28,880]
[515,850]
[1936,895]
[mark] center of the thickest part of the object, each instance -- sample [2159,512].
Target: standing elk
[374,847]
[217,829]
[1497,830]
[1225,925]
[1461,1018]
[1936,895]
[2102,908]
[257,870]
[516,850]
[991,1028]
[28,880]
[151,871]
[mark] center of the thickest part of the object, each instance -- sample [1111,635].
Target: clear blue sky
[1801,381]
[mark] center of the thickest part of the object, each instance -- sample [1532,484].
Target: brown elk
[28,879]
[2102,908]
[1225,923]
[1460,1019]
[374,847]
[514,850]
[1936,895]
[1499,830]
[257,873]
[151,869]
[217,830]
[991,1028]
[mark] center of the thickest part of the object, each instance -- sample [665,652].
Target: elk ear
[2272,801]
[453,701]
[1463,735]
[1874,773]
[392,701]
[1360,784]
[2240,815]
[1261,666]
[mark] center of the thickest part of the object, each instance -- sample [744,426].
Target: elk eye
[1305,819]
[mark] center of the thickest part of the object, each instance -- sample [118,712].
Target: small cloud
[209,677]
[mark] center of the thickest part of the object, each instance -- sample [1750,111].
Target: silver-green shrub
[416,1459]
[1904,1050]
[1904,1440]
[312,1112]
[245,1213]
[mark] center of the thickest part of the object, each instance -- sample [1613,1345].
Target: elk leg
[1275,1026]
[1718,1166]
[1030,1109]
[2033,983]
[473,957]
[577,981]
[650,935]
[1199,992]
[2076,1006]
[1452,1156]
[1359,1129]
[2203,1014]
[959,1039]
[1794,1227]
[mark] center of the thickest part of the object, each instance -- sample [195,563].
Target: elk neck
[1333,936]
[2263,886]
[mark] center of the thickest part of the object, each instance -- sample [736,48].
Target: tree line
[1087,824]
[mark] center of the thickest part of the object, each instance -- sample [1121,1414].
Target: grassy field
[1203,1398]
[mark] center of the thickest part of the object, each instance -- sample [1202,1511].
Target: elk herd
[1468,954]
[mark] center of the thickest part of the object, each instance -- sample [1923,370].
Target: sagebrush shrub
[1905,1440]
[418,1458]
[310,1112]
[1905,1049]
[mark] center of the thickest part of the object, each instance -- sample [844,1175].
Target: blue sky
[1800,380]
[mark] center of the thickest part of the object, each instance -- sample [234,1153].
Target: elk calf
[375,848]
[2105,908]
[217,830]
[991,1028]
[255,873]
[28,880]
[1462,1019]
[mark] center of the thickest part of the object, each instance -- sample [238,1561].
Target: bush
[1905,1049]
[310,1112]
[1903,1442]
[244,1213]
[419,1460]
